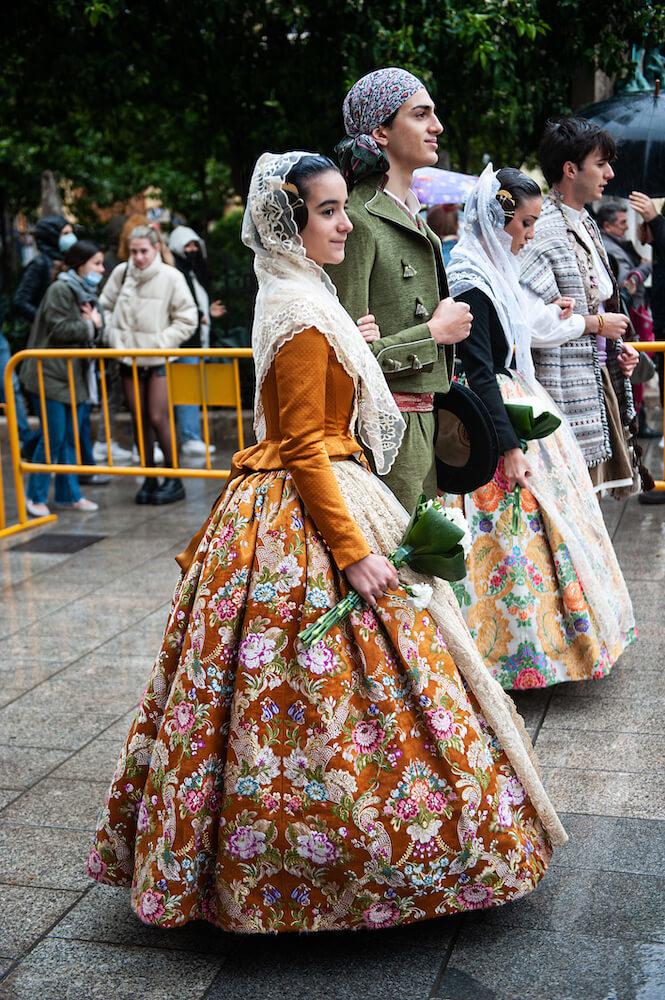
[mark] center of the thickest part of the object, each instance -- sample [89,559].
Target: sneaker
[118,454]
[36,509]
[84,505]
[196,447]
[158,455]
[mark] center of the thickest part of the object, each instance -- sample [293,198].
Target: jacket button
[416,363]
[390,365]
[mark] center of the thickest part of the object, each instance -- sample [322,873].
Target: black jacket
[657,227]
[482,356]
[38,274]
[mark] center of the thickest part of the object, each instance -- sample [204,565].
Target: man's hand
[217,309]
[628,360]
[566,304]
[450,322]
[369,328]
[643,205]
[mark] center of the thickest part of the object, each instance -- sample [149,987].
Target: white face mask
[65,241]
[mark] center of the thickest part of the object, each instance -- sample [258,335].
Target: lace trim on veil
[294,294]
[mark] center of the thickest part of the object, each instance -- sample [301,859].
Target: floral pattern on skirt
[522,598]
[267,788]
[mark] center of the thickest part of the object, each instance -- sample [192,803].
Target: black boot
[148,491]
[644,431]
[170,491]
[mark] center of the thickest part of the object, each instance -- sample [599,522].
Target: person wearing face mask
[189,254]
[69,316]
[54,236]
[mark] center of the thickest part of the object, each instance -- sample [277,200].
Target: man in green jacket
[392,280]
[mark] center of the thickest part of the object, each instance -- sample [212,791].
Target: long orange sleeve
[303,391]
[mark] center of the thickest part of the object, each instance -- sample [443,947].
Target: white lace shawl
[483,259]
[294,294]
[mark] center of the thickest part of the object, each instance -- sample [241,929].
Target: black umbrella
[637,122]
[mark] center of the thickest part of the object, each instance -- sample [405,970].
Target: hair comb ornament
[292,189]
[507,203]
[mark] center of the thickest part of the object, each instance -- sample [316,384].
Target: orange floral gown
[267,788]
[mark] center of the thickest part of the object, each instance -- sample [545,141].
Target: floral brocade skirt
[548,602]
[265,788]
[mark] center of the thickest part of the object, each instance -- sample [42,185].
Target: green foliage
[116,95]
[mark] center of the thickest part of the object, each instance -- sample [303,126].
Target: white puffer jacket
[149,308]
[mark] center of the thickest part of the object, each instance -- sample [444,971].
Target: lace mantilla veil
[294,294]
[483,259]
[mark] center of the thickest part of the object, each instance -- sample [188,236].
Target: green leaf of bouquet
[433,531]
[449,567]
[544,425]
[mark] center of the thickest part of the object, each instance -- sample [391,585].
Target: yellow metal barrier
[658,347]
[204,384]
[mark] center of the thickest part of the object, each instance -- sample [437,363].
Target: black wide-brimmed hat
[466,445]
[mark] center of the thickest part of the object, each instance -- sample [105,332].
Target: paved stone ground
[77,637]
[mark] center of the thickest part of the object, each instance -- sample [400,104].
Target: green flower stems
[517,498]
[320,628]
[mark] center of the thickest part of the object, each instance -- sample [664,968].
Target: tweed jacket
[394,270]
[556,262]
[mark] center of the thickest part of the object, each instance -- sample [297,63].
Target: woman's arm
[62,317]
[183,315]
[300,371]
[476,355]
[547,328]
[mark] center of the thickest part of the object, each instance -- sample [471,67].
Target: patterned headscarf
[368,104]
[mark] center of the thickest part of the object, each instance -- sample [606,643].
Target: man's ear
[570,169]
[380,135]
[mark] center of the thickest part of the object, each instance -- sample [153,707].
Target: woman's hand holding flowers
[371,577]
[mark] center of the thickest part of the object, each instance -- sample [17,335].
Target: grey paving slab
[39,856]
[367,965]
[518,964]
[27,914]
[104,915]
[76,970]
[586,749]
[120,727]
[95,762]
[7,795]
[140,639]
[607,904]
[68,710]
[57,802]
[23,766]
[30,643]
[613,844]
[607,793]
[636,677]
[532,706]
[609,715]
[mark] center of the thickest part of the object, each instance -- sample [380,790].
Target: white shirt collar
[410,204]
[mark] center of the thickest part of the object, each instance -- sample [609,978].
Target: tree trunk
[51,202]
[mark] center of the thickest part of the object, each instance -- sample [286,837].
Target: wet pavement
[78,632]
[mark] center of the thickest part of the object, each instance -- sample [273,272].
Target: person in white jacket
[189,255]
[148,304]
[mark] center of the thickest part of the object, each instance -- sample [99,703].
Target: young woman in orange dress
[381,776]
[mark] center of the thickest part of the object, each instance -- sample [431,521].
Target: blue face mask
[91,280]
[66,241]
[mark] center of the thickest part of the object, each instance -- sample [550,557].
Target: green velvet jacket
[394,270]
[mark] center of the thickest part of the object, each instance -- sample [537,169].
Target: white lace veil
[482,259]
[294,294]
